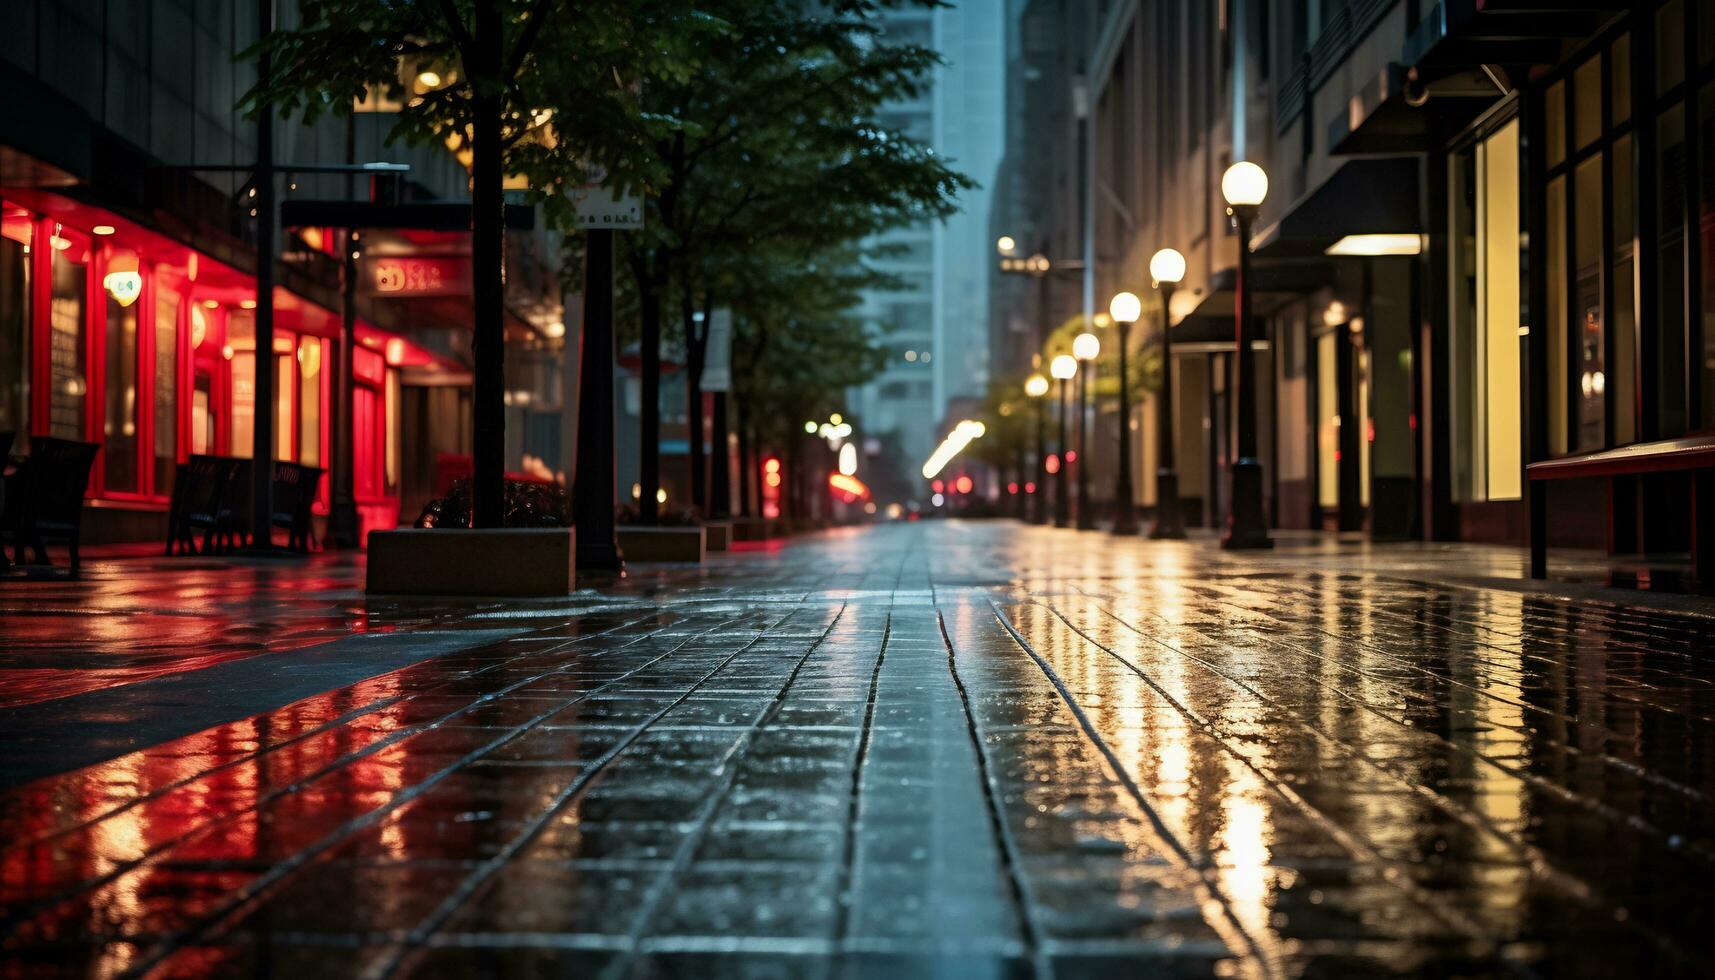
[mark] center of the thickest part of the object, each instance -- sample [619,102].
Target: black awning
[1273,286]
[1471,33]
[1402,110]
[1363,197]
[415,216]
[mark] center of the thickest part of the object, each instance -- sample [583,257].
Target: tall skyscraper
[935,325]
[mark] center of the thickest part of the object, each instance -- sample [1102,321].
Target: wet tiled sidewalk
[961,749]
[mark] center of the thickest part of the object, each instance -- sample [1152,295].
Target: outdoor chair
[295,487]
[203,493]
[44,499]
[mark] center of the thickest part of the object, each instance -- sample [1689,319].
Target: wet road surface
[960,749]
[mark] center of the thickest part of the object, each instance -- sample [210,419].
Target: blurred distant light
[937,500]
[848,459]
[1064,367]
[964,483]
[1007,245]
[1167,267]
[1012,487]
[1052,463]
[1125,308]
[1244,185]
[1377,245]
[1030,487]
[1086,347]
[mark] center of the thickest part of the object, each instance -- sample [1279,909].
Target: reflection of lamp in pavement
[1035,387]
[1064,368]
[1086,347]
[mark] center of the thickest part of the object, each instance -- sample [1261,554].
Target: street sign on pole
[597,206]
[717,359]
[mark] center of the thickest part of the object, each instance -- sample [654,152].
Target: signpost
[600,212]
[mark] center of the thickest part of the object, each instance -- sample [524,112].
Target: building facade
[934,325]
[128,272]
[1483,245]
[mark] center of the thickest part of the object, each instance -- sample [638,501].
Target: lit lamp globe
[1125,308]
[1036,386]
[1244,185]
[1167,267]
[1086,347]
[1006,245]
[1063,367]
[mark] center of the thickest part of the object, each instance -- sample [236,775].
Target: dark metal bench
[1693,454]
[212,494]
[205,492]
[44,498]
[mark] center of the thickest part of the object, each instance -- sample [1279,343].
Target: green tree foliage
[568,82]
[777,154]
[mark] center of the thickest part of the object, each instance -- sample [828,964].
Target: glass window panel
[1327,422]
[1672,183]
[1706,229]
[241,439]
[15,327]
[1620,73]
[1499,219]
[1587,273]
[1623,378]
[68,318]
[1554,122]
[166,421]
[310,401]
[285,390]
[119,426]
[391,423]
[1555,327]
[1669,45]
[1464,397]
[1705,34]
[202,416]
[1624,229]
[1587,102]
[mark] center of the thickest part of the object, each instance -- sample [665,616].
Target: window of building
[15,234]
[1485,304]
[119,457]
[68,324]
[165,424]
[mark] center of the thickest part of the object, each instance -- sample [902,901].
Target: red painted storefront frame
[194,277]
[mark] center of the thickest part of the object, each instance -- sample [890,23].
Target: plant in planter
[528,504]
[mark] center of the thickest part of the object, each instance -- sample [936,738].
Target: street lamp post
[1244,185]
[1124,310]
[1086,347]
[1036,386]
[1167,268]
[1063,368]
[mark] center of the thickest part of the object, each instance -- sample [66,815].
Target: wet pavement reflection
[954,749]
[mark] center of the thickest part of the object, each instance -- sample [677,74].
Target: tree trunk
[488,272]
[592,483]
[649,427]
[720,472]
[747,467]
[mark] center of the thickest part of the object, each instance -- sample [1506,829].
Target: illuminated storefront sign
[417,276]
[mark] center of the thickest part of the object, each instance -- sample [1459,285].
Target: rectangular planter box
[718,535]
[513,561]
[661,543]
[754,529]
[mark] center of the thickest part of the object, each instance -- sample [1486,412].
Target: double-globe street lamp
[1124,311]
[1086,347]
[1244,185]
[1166,268]
[1036,386]
[1063,368]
